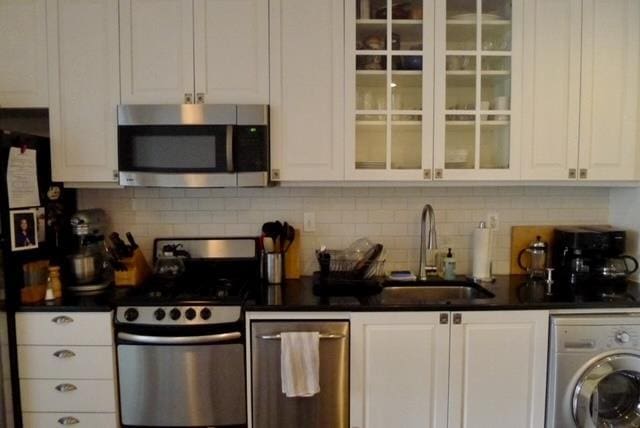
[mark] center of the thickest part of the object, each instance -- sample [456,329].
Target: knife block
[137,272]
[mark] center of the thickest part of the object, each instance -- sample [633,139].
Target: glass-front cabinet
[389,96]
[477,89]
[432,89]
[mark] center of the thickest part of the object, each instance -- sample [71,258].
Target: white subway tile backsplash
[390,215]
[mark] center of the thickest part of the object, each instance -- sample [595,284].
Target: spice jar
[54,281]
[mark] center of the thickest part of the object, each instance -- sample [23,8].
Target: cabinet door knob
[64,353]
[68,420]
[275,174]
[426,174]
[66,387]
[583,173]
[457,318]
[439,174]
[200,98]
[62,319]
[572,173]
[444,318]
[188,98]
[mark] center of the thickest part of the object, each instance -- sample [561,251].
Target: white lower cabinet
[463,369]
[66,369]
[83,420]
[498,366]
[399,370]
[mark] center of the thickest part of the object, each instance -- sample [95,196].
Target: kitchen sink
[402,293]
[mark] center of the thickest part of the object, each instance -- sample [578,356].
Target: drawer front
[70,420]
[88,396]
[58,328]
[65,362]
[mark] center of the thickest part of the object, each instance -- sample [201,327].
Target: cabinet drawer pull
[64,353]
[62,319]
[68,420]
[66,387]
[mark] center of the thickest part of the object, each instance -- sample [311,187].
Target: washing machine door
[608,393]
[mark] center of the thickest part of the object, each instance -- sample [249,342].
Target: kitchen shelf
[475,52]
[385,22]
[493,22]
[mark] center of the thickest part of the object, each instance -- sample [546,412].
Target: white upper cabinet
[194,51]
[582,76]
[552,54]
[23,49]
[232,51]
[84,89]
[399,370]
[389,66]
[498,369]
[609,136]
[307,89]
[156,42]
[478,86]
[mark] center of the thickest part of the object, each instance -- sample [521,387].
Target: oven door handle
[180,340]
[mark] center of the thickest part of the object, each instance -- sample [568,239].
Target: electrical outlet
[493,220]
[309,222]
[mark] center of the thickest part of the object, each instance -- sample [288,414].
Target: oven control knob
[174,313]
[131,314]
[159,314]
[190,314]
[622,337]
[205,314]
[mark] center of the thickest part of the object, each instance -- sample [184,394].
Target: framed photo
[24,229]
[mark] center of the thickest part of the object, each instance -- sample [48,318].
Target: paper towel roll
[482,253]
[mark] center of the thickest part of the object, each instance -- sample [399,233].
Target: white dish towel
[300,363]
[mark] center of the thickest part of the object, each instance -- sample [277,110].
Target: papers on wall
[22,178]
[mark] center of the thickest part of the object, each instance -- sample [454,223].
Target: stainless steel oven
[193,145]
[182,381]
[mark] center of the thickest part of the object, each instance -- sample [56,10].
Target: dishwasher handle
[180,340]
[323,336]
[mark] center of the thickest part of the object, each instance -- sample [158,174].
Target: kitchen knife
[132,242]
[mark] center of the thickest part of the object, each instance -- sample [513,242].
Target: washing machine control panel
[597,338]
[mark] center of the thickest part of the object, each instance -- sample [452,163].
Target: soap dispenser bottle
[449,266]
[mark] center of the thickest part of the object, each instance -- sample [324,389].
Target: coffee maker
[592,259]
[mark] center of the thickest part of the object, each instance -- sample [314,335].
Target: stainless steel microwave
[193,145]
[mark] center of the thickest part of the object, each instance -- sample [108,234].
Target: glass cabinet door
[475,82]
[387,68]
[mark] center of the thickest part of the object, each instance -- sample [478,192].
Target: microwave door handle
[181,340]
[230,148]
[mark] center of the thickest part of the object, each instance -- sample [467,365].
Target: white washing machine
[594,371]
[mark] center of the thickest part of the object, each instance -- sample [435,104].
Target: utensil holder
[137,272]
[274,269]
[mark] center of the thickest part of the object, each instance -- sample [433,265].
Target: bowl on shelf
[412,62]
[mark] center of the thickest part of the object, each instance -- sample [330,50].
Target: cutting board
[292,258]
[522,236]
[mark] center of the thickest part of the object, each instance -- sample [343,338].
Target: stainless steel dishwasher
[328,408]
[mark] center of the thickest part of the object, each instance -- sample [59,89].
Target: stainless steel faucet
[428,241]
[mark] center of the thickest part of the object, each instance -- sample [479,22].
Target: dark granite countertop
[511,293]
[99,302]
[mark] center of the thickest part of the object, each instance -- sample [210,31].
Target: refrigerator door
[6,397]
[271,408]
